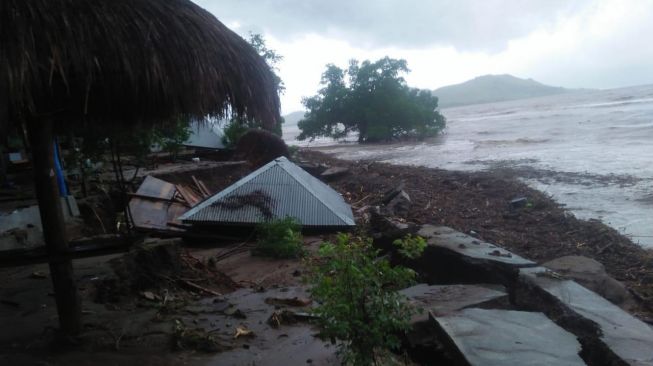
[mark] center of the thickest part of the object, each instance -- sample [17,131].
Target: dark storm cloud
[485,25]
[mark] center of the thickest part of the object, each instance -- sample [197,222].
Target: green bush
[233,131]
[410,246]
[280,239]
[358,299]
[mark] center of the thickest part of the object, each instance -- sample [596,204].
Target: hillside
[289,127]
[493,88]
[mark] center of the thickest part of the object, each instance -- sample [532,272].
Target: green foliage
[410,246]
[372,99]
[271,57]
[233,131]
[137,141]
[237,126]
[172,136]
[358,299]
[280,239]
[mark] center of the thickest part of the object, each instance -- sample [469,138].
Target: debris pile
[491,206]
[159,267]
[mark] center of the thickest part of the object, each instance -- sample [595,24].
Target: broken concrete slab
[592,275]
[500,337]
[441,300]
[468,246]
[454,257]
[626,337]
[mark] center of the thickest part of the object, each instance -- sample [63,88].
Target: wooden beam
[54,233]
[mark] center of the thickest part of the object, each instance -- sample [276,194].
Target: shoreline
[620,199]
[479,203]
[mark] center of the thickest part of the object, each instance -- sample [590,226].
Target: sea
[591,151]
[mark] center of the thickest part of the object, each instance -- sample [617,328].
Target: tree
[373,100]
[237,126]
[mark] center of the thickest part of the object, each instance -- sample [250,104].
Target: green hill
[493,88]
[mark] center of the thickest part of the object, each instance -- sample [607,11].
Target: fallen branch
[200,288]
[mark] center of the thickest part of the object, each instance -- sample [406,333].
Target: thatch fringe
[126,61]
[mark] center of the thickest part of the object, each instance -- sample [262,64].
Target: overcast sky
[576,44]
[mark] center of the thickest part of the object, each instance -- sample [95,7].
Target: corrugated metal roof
[285,190]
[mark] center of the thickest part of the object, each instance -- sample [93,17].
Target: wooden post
[54,231]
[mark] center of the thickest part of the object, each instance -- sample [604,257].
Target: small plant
[280,239]
[410,246]
[358,299]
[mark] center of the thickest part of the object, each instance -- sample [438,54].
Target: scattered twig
[104,230]
[200,288]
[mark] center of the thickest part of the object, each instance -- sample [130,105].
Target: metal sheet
[292,192]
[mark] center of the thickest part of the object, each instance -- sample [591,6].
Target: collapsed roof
[274,191]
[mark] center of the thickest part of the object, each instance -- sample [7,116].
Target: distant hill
[289,127]
[493,88]
[292,118]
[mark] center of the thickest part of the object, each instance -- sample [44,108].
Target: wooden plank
[153,215]
[188,195]
[155,187]
[176,199]
[208,193]
[201,189]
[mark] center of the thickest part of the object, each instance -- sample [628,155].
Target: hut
[69,64]
[277,190]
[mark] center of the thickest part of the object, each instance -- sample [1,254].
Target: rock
[620,338]
[442,300]
[500,337]
[453,257]
[399,205]
[389,195]
[384,226]
[334,172]
[591,274]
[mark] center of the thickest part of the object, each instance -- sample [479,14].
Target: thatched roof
[127,60]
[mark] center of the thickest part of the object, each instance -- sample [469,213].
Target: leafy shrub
[280,239]
[233,131]
[358,299]
[411,246]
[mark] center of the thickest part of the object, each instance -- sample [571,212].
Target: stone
[501,337]
[625,336]
[441,300]
[473,248]
[592,275]
[392,193]
[453,257]
[386,226]
[399,205]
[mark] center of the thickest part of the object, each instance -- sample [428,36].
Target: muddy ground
[479,203]
[138,327]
